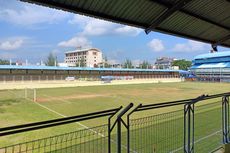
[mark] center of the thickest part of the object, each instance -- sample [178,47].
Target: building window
[94,53]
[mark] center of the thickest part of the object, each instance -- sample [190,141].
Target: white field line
[82,125]
[59,99]
[124,146]
[62,115]
[86,127]
[178,149]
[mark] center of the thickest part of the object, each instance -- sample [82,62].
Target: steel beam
[166,14]
[222,40]
[192,14]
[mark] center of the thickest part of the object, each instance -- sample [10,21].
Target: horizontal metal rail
[55,122]
[178,102]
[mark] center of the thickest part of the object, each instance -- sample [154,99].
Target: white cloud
[113,61]
[75,42]
[190,46]
[96,27]
[31,14]
[137,62]
[11,44]
[156,45]
[127,30]
[7,56]
[79,19]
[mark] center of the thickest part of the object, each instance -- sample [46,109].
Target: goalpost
[18,94]
[30,94]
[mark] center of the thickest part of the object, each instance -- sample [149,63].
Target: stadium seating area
[212,67]
[46,73]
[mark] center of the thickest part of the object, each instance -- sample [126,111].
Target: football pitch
[61,102]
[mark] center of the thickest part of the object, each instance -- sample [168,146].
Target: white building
[89,57]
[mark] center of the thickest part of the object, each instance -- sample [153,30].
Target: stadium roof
[203,20]
[15,67]
[212,65]
[213,55]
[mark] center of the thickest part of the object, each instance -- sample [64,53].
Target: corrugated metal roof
[202,20]
[212,65]
[15,67]
[213,55]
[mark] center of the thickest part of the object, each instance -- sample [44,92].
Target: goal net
[17,95]
[30,94]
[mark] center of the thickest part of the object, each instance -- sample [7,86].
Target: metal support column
[225,119]
[189,128]
[120,121]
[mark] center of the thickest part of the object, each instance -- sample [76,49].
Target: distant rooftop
[213,55]
[82,50]
[14,67]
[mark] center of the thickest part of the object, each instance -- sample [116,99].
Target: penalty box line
[86,127]
[62,115]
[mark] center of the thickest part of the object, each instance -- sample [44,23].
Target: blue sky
[31,32]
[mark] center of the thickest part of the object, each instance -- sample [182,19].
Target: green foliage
[4,62]
[51,60]
[145,65]
[128,64]
[183,64]
[82,62]
[106,64]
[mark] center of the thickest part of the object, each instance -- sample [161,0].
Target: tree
[106,64]
[128,64]
[183,64]
[4,62]
[145,65]
[51,60]
[82,61]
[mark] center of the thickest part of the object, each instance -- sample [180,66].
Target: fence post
[189,128]
[189,124]
[225,119]
[128,127]
[110,129]
[119,123]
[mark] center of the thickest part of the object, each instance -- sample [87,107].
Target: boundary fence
[48,78]
[196,125]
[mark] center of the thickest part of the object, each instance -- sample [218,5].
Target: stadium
[212,67]
[45,110]
[51,73]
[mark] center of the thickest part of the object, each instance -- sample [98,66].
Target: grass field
[58,102]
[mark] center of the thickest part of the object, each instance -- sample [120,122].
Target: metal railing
[95,139]
[191,125]
[195,126]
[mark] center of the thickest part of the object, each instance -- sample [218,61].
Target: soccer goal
[15,95]
[30,94]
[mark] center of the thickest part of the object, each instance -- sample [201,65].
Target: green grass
[78,100]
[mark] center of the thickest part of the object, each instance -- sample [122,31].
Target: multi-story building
[164,63]
[84,57]
[212,67]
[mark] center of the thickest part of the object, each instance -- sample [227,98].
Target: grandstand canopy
[203,20]
[214,55]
